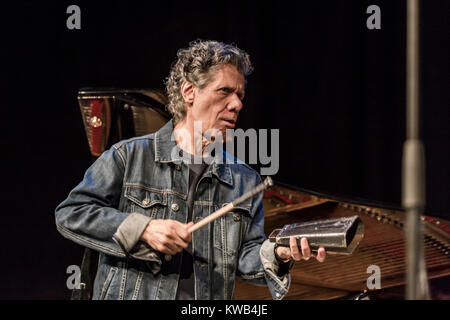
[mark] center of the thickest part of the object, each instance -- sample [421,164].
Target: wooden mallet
[213,216]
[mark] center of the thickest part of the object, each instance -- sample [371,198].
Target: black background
[334,88]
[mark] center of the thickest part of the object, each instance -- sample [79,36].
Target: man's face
[217,105]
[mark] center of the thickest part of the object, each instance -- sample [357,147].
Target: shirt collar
[166,151]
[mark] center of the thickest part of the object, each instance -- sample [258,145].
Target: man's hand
[293,251]
[167,236]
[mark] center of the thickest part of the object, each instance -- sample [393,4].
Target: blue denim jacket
[141,179]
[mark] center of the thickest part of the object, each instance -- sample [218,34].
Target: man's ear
[188,92]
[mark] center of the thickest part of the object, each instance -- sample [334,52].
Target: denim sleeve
[257,262]
[89,216]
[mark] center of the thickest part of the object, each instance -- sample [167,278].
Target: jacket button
[167,257]
[178,167]
[145,202]
[236,217]
[175,207]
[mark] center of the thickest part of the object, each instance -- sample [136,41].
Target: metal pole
[413,182]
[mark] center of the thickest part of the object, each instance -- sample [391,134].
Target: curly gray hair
[196,64]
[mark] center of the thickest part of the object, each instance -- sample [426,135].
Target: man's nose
[235,104]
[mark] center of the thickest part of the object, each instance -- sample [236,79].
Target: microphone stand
[413,162]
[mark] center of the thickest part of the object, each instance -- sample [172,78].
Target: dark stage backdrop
[334,88]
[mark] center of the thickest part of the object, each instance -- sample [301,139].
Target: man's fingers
[295,252]
[187,226]
[178,241]
[321,254]
[306,251]
[181,231]
[190,224]
[168,236]
[168,248]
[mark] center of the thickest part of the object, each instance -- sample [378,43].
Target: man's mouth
[230,122]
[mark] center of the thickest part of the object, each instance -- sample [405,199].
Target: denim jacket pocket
[148,201]
[229,228]
[107,283]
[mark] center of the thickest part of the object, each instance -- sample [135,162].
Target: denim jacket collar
[166,150]
[165,144]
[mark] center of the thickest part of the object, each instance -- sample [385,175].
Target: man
[137,201]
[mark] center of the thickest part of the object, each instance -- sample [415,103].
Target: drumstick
[213,216]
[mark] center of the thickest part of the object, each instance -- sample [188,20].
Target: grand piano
[110,115]
[347,276]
